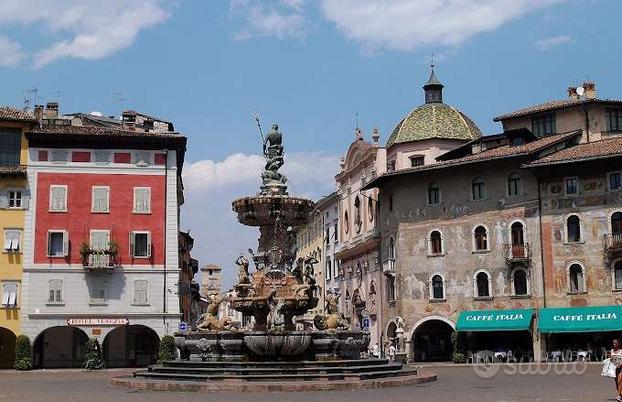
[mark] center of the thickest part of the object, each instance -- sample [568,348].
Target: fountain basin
[264,209]
[278,345]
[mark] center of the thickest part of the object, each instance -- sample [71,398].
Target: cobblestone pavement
[454,384]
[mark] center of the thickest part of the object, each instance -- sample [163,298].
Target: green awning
[494,320]
[580,319]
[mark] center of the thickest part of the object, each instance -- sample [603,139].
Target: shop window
[481,239]
[478,189]
[573,229]
[514,185]
[576,278]
[519,279]
[482,284]
[434,194]
[438,287]
[436,242]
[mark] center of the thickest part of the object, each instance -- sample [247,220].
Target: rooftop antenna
[432,60]
[28,98]
[119,100]
[258,121]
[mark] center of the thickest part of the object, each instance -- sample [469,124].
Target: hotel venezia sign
[97,321]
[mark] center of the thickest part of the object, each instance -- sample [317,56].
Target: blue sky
[309,65]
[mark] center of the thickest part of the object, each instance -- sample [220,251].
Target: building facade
[14,202]
[101,245]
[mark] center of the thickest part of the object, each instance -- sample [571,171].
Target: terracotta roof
[505,151]
[10,113]
[555,105]
[12,170]
[606,148]
[100,131]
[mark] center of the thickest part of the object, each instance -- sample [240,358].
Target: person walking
[392,352]
[616,359]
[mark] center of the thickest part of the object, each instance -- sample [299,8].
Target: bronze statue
[273,151]
[309,277]
[243,276]
[209,321]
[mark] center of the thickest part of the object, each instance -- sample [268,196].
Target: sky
[316,67]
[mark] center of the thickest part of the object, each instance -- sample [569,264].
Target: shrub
[459,358]
[167,349]
[93,355]
[23,353]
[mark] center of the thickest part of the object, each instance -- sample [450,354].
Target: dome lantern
[433,89]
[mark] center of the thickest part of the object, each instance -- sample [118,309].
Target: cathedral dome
[434,119]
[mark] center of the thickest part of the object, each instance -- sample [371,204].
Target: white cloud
[211,186]
[281,19]
[11,53]
[409,25]
[548,43]
[85,29]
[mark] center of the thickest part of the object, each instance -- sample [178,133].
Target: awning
[494,320]
[580,319]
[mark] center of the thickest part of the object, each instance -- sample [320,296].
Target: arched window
[370,209]
[434,194]
[346,220]
[519,278]
[478,188]
[436,242]
[616,223]
[514,185]
[438,287]
[391,251]
[482,284]
[357,214]
[576,278]
[481,238]
[617,278]
[573,229]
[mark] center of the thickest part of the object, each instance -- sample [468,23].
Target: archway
[7,348]
[59,347]
[391,332]
[131,346]
[431,341]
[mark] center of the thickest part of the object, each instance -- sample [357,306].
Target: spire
[433,88]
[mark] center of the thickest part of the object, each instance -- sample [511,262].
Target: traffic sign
[365,323]
[183,327]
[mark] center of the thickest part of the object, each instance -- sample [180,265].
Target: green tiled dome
[434,120]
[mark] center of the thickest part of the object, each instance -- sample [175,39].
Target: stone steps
[278,364]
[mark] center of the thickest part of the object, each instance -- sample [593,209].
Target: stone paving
[454,384]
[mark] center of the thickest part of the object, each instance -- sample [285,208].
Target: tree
[23,353]
[167,349]
[93,355]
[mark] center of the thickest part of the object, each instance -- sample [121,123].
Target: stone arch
[7,348]
[59,347]
[131,346]
[430,339]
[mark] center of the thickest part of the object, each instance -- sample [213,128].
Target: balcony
[612,243]
[99,261]
[517,253]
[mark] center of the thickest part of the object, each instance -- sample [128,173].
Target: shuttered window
[140,244]
[11,239]
[101,199]
[142,200]
[141,288]
[9,294]
[58,198]
[100,239]
[58,243]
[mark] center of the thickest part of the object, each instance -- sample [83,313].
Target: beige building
[310,243]
[211,279]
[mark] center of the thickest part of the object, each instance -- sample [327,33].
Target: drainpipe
[541,242]
[165,235]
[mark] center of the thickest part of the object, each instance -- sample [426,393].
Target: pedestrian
[616,359]
[376,350]
[392,352]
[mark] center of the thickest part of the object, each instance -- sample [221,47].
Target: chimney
[590,89]
[358,133]
[375,135]
[572,93]
[39,113]
[129,119]
[51,110]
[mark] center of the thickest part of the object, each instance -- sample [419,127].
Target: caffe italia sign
[495,320]
[580,319]
[97,321]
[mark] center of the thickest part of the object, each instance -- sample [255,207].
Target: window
[478,188]
[572,185]
[391,251]
[10,146]
[370,209]
[101,199]
[614,119]
[55,294]
[573,229]
[617,279]
[327,236]
[58,198]
[615,181]
[517,235]
[329,269]
[616,224]
[142,200]
[357,214]
[102,157]
[390,287]
[434,194]
[438,289]
[100,239]
[98,295]
[15,199]
[59,156]
[11,240]
[9,294]
[519,279]
[481,238]
[58,243]
[482,284]
[346,220]
[142,159]
[140,244]
[543,125]
[436,242]
[416,161]
[514,185]
[391,166]
[576,279]
[336,232]
[141,291]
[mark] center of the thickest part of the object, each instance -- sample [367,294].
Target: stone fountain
[280,288]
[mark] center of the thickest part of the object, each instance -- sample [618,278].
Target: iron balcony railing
[519,252]
[99,261]
[613,242]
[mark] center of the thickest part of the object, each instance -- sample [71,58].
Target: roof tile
[11,113]
[590,150]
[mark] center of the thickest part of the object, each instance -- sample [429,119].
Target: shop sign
[98,321]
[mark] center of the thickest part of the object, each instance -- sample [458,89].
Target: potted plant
[85,251]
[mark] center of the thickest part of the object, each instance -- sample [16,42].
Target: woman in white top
[616,358]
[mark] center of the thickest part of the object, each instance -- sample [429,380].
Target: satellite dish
[97,114]
[580,91]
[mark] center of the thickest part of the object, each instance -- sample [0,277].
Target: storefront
[504,333]
[580,331]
